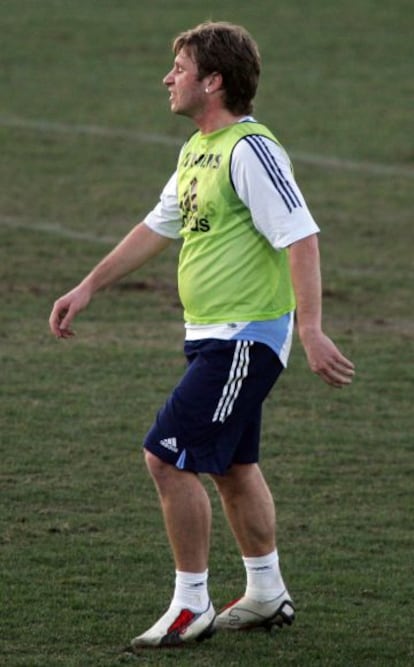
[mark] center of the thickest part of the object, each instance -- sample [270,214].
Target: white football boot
[176,627]
[248,614]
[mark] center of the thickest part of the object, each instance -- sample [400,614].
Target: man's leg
[250,510]
[187,515]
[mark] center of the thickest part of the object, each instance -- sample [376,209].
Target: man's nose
[168,79]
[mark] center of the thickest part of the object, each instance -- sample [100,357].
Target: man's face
[187,92]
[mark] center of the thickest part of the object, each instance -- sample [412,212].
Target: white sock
[264,580]
[191,591]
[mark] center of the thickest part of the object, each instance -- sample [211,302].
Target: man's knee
[157,468]
[235,479]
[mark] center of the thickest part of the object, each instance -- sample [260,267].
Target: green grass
[85,564]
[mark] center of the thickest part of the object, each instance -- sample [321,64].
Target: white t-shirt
[266,185]
[256,189]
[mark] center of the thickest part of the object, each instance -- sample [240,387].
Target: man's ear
[214,82]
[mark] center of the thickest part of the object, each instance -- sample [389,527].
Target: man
[249,257]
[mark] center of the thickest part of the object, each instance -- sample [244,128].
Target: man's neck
[213,120]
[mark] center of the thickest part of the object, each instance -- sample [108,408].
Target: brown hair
[230,50]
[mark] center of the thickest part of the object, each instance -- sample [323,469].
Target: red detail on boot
[229,604]
[182,621]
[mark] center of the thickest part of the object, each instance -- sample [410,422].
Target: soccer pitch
[87,141]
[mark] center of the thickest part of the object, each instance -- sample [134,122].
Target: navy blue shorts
[212,418]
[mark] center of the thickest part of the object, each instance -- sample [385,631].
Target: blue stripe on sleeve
[268,160]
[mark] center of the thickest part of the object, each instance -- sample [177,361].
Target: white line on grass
[92,130]
[55,229]
[322,161]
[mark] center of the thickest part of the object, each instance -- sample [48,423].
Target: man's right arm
[140,245]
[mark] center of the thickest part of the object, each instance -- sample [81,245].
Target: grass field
[87,141]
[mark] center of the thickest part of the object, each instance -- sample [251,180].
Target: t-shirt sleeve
[262,176]
[165,218]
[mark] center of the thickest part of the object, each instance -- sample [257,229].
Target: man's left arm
[324,358]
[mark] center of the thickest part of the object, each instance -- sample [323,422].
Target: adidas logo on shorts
[170,443]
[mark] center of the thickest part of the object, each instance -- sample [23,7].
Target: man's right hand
[65,309]
[135,249]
